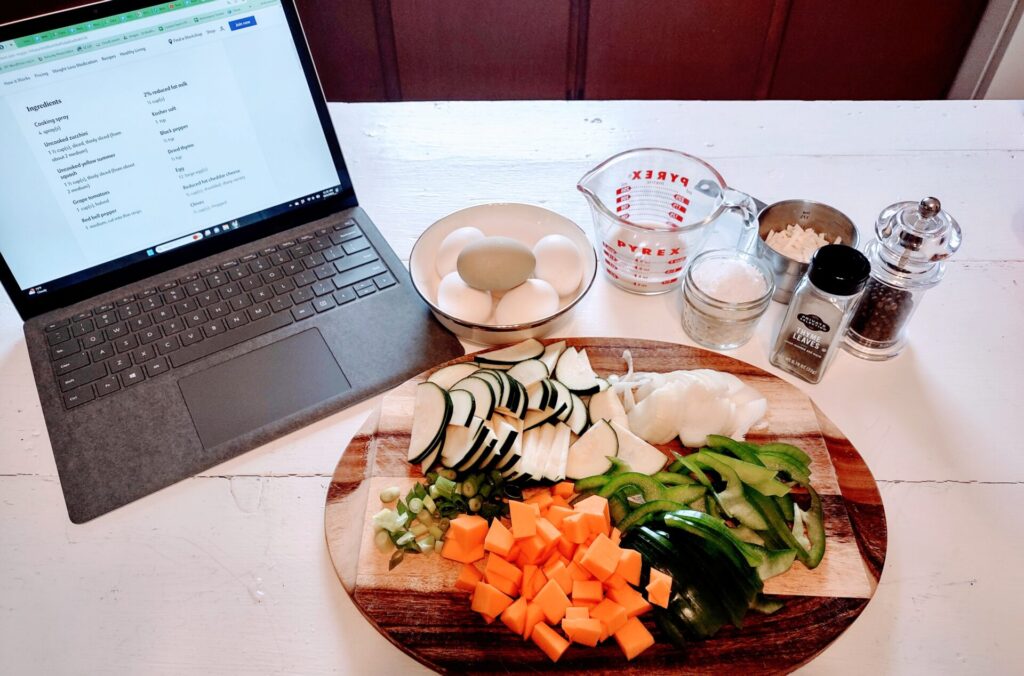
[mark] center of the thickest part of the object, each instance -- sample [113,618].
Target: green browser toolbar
[240,7]
[116,20]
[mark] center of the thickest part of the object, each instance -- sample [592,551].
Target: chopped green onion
[436,532]
[428,502]
[469,487]
[448,474]
[382,540]
[475,504]
[417,528]
[405,539]
[390,494]
[415,505]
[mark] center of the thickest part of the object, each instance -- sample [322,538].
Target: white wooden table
[228,572]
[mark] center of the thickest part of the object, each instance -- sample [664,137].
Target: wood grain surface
[418,609]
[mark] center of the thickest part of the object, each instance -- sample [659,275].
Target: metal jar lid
[915,236]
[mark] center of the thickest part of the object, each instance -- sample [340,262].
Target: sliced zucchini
[449,375]
[577,421]
[589,455]
[479,451]
[574,372]
[535,419]
[461,442]
[483,395]
[537,396]
[551,354]
[558,453]
[528,349]
[530,371]
[463,407]
[431,412]
[497,384]
[561,401]
[637,453]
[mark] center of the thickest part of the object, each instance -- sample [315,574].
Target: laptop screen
[126,137]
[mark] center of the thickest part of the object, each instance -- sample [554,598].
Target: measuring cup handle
[745,205]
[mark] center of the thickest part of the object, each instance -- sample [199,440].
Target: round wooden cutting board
[417,607]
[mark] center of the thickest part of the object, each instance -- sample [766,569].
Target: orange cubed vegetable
[468,577]
[524,519]
[534,616]
[633,638]
[552,601]
[596,509]
[575,528]
[557,513]
[548,640]
[577,613]
[499,539]
[559,501]
[468,530]
[499,566]
[514,616]
[487,618]
[532,550]
[537,583]
[615,536]
[586,632]
[513,553]
[660,588]
[502,584]
[553,561]
[602,557]
[615,580]
[612,616]
[588,591]
[488,600]
[564,489]
[529,571]
[456,551]
[630,599]
[547,531]
[629,566]
[542,499]
[577,572]
[560,574]
[566,548]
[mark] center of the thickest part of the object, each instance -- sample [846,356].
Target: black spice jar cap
[839,269]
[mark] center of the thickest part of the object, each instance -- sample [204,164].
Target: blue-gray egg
[495,263]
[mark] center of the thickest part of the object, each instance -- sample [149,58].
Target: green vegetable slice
[786,449]
[644,512]
[708,527]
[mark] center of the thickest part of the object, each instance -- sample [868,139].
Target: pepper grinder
[912,241]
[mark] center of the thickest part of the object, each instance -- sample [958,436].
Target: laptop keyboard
[113,347]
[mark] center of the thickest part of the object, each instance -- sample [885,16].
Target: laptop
[181,237]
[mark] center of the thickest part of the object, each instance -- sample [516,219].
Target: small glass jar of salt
[725,292]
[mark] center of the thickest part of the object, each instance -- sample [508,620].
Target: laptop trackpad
[231,399]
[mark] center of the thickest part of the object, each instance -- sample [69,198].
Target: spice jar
[725,292]
[814,325]
[913,238]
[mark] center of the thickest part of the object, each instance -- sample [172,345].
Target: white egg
[452,246]
[461,300]
[531,301]
[559,263]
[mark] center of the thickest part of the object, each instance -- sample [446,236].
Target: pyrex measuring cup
[653,209]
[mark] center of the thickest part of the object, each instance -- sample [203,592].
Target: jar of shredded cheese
[725,293]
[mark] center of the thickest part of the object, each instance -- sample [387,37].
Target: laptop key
[356,245]
[143,354]
[365,288]
[320,243]
[186,306]
[280,257]
[236,319]
[313,260]
[107,386]
[174,295]
[325,271]
[324,303]
[240,302]
[189,336]
[257,312]
[229,290]
[151,303]
[92,339]
[284,286]
[169,344]
[262,294]
[207,298]
[128,311]
[139,323]
[148,335]
[321,288]
[384,281]
[238,273]
[156,367]
[292,268]
[105,319]
[147,292]
[354,261]
[172,326]
[303,311]
[163,314]
[132,376]
[333,253]
[344,296]
[217,279]
[250,283]
[304,278]
[304,238]
[345,235]
[359,274]
[119,363]
[82,327]
[82,376]
[101,352]
[248,257]
[61,350]
[219,310]
[115,331]
[280,303]
[127,343]
[196,318]
[82,315]
[75,361]
[78,396]
[58,335]
[225,340]
[214,328]
[53,326]
[302,295]
[125,300]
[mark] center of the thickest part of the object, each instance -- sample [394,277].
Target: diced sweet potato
[499,539]
[587,591]
[602,557]
[468,577]
[586,632]
[514,616]
[577,613]
[547,531]
[503,584]
[629,566]
[552,601]
[499,566]
[575,528]
[578,572]
[630,599]
[612,615]
[564,489]
[596,509]
[456,551]
[560,574]
[548,640]
[557,513]
[660,588]
[542,499]
[633,638]
[534,615]
[468,530]
[524,519]
[488,600]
